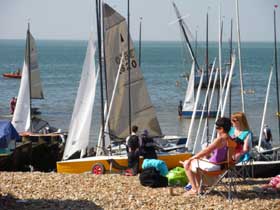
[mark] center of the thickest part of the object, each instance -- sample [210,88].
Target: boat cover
[8,134]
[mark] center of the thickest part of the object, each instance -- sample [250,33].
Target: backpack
[133,142]
[151,177]
[177,176]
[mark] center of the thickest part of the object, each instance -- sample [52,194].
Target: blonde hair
[241,117]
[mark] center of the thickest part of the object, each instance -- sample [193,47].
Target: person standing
[13,102]
[148,146]
[133,147]
[180,110]
[266,143]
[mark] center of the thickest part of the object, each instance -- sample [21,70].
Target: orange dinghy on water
[12,75]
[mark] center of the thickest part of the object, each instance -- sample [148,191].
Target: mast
[128,66]
[140,39]
[276,70]
[220,56]
[207,81]
[98,24]
[104,60]
[195,44]
[181,23]
[29,74]
[230,60]
[239,58]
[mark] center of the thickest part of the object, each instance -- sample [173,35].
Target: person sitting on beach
[273,184]
[133,147]
[242,135]
[218,151]
[147,148]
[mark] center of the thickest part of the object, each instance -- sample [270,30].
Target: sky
[74,19]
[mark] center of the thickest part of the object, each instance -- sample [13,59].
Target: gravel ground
[52,191]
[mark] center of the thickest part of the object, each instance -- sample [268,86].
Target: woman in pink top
[218,151]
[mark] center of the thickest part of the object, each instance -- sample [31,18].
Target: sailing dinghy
[142,111]
[45,141]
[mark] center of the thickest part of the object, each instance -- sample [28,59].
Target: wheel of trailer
[98,169]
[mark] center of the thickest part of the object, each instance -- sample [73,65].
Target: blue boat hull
[188,114]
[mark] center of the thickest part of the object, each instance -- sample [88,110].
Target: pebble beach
[53,191]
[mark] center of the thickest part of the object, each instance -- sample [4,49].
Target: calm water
[162,64]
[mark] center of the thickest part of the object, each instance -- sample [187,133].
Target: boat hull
[46,150]
[86,164]
[15,76]
[188,114]
[18,160]
[262,169]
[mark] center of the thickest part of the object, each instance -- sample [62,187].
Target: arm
[207,151]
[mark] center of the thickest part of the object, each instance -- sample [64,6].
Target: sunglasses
[234,120]
[218,127]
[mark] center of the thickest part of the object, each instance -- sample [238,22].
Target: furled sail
[142,111]
[189,98]
[79,130]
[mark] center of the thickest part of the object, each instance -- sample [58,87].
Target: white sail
[197,142]
[36,86]
[21,118]
[79,130]
[188,143]
[265,108]
[189,98]
[142,111]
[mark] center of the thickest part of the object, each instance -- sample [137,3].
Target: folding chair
[245,168]
[226,170]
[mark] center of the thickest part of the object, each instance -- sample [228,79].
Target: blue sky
[73,19]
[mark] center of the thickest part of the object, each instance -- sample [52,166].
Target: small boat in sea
[15,75]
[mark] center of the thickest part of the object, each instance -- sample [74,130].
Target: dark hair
[134,128]
[225,123]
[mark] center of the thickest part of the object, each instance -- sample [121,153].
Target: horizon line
[38,39]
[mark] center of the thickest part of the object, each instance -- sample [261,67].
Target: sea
[163,65]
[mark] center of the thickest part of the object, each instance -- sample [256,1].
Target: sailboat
[189,102]
[45,142]
[142,111]
[30,88]
[196,76]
